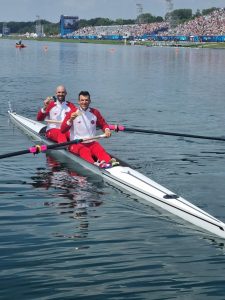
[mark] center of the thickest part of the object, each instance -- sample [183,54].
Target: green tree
[208,11]
[182,14]
[159,19]
[148,18]
[100,22]
[124,21]
[197,14]
[145,18]
[24,27]
[83,23]
[178,16]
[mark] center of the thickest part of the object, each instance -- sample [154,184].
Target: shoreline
[211,45]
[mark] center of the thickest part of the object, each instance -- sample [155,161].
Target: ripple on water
[65,235]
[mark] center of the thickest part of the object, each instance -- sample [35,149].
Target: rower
[19,43]
[55,110]
[81,123]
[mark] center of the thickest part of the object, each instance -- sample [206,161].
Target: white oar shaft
[96,137]
[53,121]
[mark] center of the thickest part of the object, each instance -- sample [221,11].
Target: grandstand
[118,32]
[210,28]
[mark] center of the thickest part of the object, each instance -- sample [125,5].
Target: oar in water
[42,148]
[123,128]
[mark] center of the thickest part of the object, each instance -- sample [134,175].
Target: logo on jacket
[92,122]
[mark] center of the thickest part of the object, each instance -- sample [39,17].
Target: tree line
[175,18]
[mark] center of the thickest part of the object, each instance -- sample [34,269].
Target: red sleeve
[71,106]
[64,126]
[41,116]
[100,120]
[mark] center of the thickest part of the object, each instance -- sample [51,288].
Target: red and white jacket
[84,125]
[55,111]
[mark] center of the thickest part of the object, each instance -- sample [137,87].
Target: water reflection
[72,194]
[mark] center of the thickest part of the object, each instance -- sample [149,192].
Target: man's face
[84,102]
[61,94]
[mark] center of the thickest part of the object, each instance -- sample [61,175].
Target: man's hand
[107,132]
[75,114]
[47,101]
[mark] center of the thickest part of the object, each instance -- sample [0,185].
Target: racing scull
[132,181]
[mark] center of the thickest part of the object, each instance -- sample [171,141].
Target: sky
[50,10]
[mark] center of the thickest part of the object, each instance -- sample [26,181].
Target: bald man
[54,111]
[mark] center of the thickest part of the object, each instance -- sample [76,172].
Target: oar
[42,148]
[53,121]
[59,122]
[123,128]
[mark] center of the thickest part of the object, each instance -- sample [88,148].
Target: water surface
[68,235]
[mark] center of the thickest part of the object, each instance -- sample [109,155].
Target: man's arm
[101,122]
[44,111]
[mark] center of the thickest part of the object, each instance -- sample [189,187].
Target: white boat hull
[135,183]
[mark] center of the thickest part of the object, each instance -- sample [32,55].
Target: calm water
[68,235]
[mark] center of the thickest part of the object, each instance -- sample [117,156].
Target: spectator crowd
[123,30]
[211,24]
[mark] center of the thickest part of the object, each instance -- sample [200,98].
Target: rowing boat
[20,46]
[133,182]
